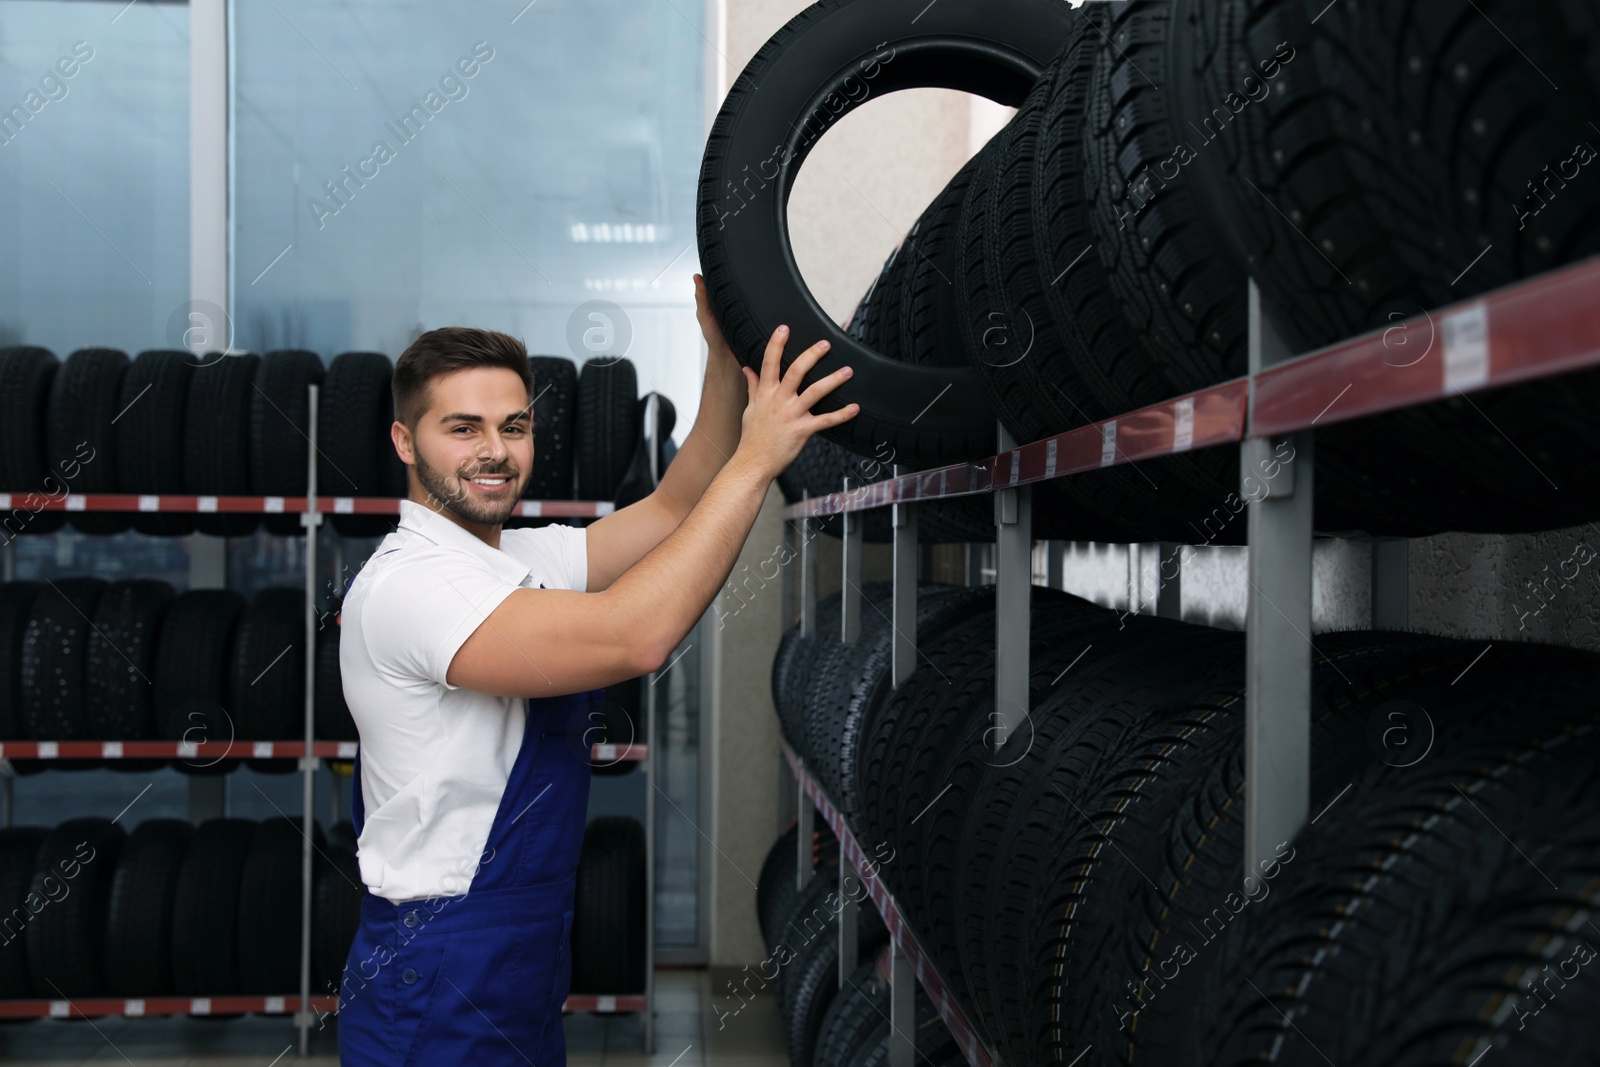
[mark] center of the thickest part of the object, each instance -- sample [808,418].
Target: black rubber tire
[1160,248]
[191,667]
[775,888]
[555,405]
[1354,675]
[1417,924]
[1390,148]
[19,854]
[280,429]
[1079,814]
[16,606]
[66,938]
[818,67]
[26,372]
[800,922]
[333,720]
[53,650]
[1394,150]
[941,781]
[119,662]
[150,434]
[335,914]
[216,438]
[811,989]
[608,918]
[855,1016]
[636,482]
[25,375]
[269,906]
[354,413]
[607,426]
[266,671]
[85,398]
[140,913]
[205,945]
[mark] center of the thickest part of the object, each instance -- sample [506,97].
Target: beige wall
[862,187]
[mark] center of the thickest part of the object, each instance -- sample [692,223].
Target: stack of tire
[86,660]
[826,1023]
[1079,885]
[1364,163]
[238,424]
[609,932]
[166,909]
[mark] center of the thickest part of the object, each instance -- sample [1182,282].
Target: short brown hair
[445,351]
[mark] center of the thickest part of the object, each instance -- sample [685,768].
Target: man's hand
[777,419]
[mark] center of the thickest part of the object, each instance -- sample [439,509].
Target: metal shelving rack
[305,1008]
[1538,328]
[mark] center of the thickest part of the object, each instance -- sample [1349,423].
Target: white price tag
[605,1004]
[347,750]
[49,750]
[273,505]
[1183,426]
[1108,443]
[77,503]
[111,750]
[5,501]
[606,753]
[1466,348]
[274,1006]
[200,1006]
[262,749]
[532,509]
[207,504]
[60,1009]
[149,503]
[1016,465]
[605,507]
[1050,458]
[188,748]
[343,505]
[133,1008]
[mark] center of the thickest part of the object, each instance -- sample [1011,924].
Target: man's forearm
[708,446]
[668,590]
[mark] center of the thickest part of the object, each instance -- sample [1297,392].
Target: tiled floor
[687,1035]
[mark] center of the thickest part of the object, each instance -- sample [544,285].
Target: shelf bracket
[904,612]
[1013,534]
[808,585]
[1276,477]
[902,1009]
[850,571]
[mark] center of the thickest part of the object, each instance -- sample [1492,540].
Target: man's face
[473,446]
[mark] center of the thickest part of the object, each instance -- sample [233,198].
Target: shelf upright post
[850,582]
[1277,621]
[804,813]
[902,1009]
[849,633]
[652,440]
[1391,586]
[1013,535]
[1169,591]
[808,585]
[903,659]
[310,520]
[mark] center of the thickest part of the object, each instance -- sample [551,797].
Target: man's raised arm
[546,642]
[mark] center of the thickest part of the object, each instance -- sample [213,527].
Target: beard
[456,499]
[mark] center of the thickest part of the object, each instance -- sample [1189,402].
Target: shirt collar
[428,524]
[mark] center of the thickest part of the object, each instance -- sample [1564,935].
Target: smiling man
[473,661]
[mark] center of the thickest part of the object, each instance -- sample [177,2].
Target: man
[473,661]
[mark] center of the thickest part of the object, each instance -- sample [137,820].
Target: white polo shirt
[435,758]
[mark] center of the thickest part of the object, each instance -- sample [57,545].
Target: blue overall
[480,978]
